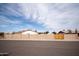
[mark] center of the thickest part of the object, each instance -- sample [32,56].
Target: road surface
[39,48]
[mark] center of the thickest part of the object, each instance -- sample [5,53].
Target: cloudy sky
[40,17]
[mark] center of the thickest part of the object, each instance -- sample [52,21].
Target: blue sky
[40,17]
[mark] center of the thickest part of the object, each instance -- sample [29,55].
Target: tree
[76,31]
[13,33]
[2,34]
[78,34]
[54,32]
[61,32]
[46,32]
[69,31]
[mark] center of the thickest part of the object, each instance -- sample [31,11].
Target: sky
[38,16]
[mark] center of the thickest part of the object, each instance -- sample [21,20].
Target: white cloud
[12,10]
[4,20]
[52,16]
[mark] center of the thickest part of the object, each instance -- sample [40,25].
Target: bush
[2,34]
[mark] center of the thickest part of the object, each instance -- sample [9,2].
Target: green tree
[54,32]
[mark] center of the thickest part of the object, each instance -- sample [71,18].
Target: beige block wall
[38,37]
[12,36]
[29,37]
[1,38]
[42,37]
[70,37]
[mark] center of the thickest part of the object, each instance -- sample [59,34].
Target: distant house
[31,32]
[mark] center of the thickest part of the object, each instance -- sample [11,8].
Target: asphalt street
[39,48]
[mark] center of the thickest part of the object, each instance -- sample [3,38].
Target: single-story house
[31,32]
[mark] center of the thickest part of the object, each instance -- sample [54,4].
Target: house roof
[29,32]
